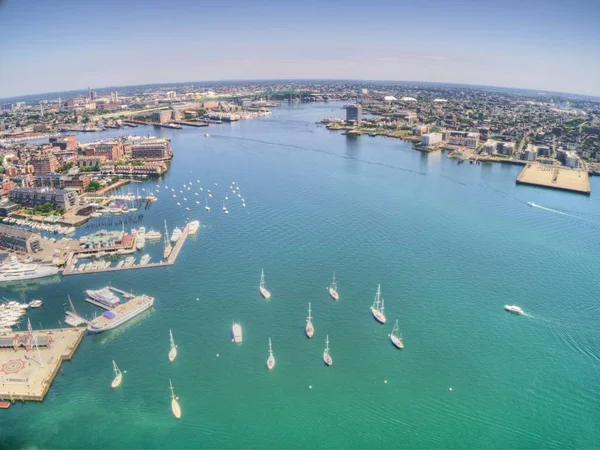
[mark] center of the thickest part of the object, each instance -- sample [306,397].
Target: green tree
[93,186]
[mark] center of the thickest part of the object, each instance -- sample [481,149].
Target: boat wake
[535,205]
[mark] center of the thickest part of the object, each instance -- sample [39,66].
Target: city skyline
[526,45]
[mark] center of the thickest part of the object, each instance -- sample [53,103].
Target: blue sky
[54,45]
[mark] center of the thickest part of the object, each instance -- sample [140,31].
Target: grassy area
[130,113]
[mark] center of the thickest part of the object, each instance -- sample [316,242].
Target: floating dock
[553,177]
[170,260]
[29,363]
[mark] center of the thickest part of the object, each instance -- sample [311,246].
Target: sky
[60,45]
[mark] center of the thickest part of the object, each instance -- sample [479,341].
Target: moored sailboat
[168,248]
[173,351]
[396,340]
[271,359]
[262,288]
[310,329]
[116,382]
[333,289]
[175,408]
[327,359]
[378,307]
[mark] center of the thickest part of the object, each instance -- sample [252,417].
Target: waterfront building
[44,163]
[354,114]
[461,138]
[79,182]
[153,169]
[530,154]
[50,180]
[59,198]
[64,142]
[20,240]
[151,149]
[161,116]
[572,159]
[91,161]
[431,139]
[111,149]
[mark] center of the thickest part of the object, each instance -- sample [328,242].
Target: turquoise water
[450,246]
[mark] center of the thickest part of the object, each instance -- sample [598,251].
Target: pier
[554,177]
[191,124]
[169,261]
[29,363]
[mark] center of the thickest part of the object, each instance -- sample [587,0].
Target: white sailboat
[168,248]
[263,290]
[271,359]
[378,307]
[116,382]
[396,340]
[173,351]
[175,408]
[333,289]
[327,359]
[310,329]
[207,208]
[236,332]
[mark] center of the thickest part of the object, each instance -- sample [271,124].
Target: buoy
[385,381]
[310,387]
[449,389]
[217,355]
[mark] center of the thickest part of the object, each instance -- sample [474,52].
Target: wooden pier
[170,260]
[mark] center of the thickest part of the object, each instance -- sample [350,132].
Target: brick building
[44,163]
[151,149]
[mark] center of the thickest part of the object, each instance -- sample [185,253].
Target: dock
[191,124]
[170,260]
[29,363]
[553,177]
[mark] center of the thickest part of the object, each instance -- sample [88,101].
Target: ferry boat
[327,359]
[193,226]
[105,298]
[176,234]
[145,260]
[396,340]
[310,329]
[263,290]
[173,351]
[333,289]
[175,408]
[514,309]
[271,359]
[236,332]
[13,270]
[378,307]
[120,314]
[153,235]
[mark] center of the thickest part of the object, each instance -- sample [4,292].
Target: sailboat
[333,289]
[263,290]
[378,307]
[310,329]
[326,356]
[175,408]
[118,376]
[207,208]
[173,351]
[271,359]
[396,340]
[168,247]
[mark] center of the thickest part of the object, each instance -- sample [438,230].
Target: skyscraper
[354,114]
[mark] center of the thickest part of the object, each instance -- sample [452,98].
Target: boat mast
[171,388]
[262,278]
[334,282]
[382,306]
[377,301]
[309,318]
[172,341]
[327,345]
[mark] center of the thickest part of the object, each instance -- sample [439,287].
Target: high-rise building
[354,114]
[44,163]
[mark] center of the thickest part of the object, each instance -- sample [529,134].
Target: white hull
[236,332]
[173,354]
[176,409]
[379,317]
[271,362]
[397,341]
[120,320]
[117,381]
[328,360]
[334,294]
[39,272]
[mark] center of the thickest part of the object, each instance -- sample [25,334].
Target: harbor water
[450,244]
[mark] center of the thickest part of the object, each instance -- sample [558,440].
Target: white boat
[175,408]
[153,235]
[129,261]
[327,359]
[105,298]
[176,234]
[310,329]
[514,309]
[271,359]
[224,207]
[262,287]
[236,332]
[333,289]
[13,270]
[395,338]
[145,260]
[207,208]
[35,303]
[173,351]
[120,264]
[193,227]
[121,314]
[378,307]
[531,204]
[116,382]
[168,248]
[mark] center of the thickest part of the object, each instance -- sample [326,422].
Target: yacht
[236,332]
[271,359]
[310,329]
[378,307]
[129,261]
[327,359]
[263,290]
[176,234]
[333,289]
[396,340]
[116,382]
[145,260]
[175,408]
[35,303]
[13,270]
[514,309]
[193,227]
[173,351]
[153,235]
[531,204]
[105,298]
[120,264]
[122,313]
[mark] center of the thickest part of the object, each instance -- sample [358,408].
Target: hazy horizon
[68,46]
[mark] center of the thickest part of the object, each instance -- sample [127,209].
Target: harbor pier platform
[553,177]
[26,369]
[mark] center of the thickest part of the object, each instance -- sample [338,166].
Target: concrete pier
[26,372]
[555,177]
